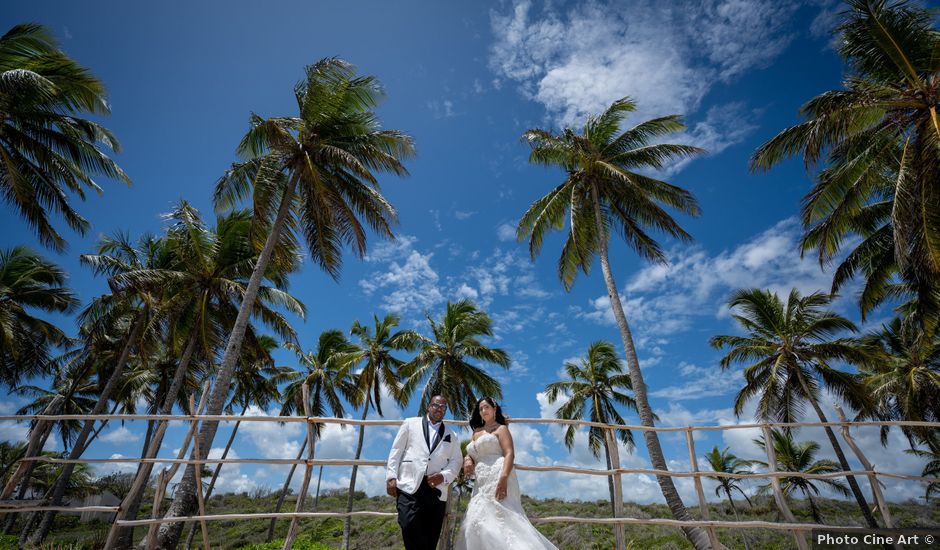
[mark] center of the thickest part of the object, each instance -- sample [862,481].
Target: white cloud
[461,215]
[120,435]
[441,108]
[408,285]
[578,61]
[664,299]
[506,232]
[701,382]
[467,292]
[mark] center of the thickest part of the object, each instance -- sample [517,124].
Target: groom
[424,459]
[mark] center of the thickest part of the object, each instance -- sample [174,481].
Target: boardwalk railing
[773,474]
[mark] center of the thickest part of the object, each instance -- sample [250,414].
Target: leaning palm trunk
[131,503]
[696,536]
[853,484]
[58,491]
[610,481]
[24,470]
[347,525]
[280,497]
[215,475]
[736,518]
[184,500]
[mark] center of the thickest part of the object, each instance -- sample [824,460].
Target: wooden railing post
[200,500]
[155,512]
[872,476]
[308,470]
[775,483]
[614,454]
[699,490]
[168,473]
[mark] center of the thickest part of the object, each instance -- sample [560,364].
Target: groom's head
[436,408]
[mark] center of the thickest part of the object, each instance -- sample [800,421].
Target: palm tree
[442,361]
[801,458]
[380,369]
[604,186]
[312,173]
[792,345]
[256,383]
[932,467]
[202,286]
[726,462]
[78,396]
[325,372]
[29,282]
[596,385]
[46,149]
[878,138]
[903,376]
[129,309]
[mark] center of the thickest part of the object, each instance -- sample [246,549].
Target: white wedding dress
[492,524]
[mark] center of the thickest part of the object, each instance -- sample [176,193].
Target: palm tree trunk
[610,482]
[79,447]
[316,498]
[23,472]
[184,499]
[853,484]
[696,536]
[736,518]
[130,505]
[280,497]
[215,475]
[352,480]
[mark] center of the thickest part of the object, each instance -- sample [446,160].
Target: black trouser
[421,517]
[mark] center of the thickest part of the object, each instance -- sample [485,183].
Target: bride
[495,518]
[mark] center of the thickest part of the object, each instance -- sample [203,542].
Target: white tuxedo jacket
[412,457]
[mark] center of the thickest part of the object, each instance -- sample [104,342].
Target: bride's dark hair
[476,421]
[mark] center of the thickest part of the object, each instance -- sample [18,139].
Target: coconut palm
[256,383]
[28,283]
[380,370]
[202,285]
[326,373]
[727,463]
[801,458]
[78,396]
[596,385]
[789,347]
[605,186]
[313,173]
[47,151]
[903,376]
[443,360]
[932,467]
[878,138]
[125,312]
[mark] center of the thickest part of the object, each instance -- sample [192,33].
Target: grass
[383,533]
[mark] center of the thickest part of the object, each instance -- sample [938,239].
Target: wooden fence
[798,530]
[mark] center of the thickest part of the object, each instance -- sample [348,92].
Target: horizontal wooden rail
[791,525]
[556,468]
[718,524]
[357,422]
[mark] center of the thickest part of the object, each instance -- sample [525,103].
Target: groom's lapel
[424,427]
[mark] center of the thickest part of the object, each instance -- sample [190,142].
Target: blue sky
[466,79]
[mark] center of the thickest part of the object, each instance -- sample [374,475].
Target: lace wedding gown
[492,524]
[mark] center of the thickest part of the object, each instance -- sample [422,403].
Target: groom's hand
[435,480]
[391,487]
